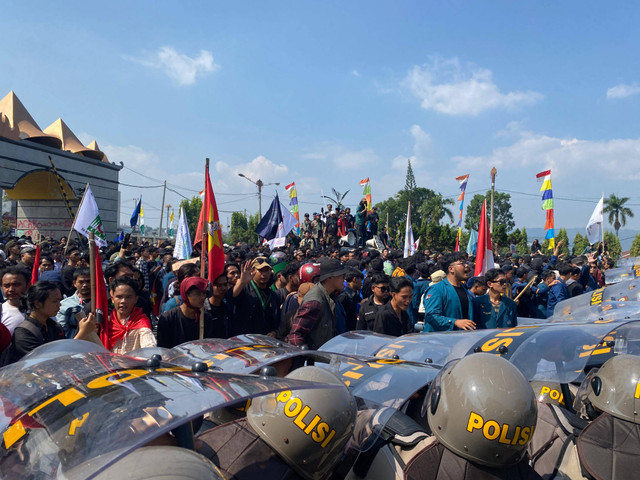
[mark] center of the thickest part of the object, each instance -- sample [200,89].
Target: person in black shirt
[392,318]
[182,324]
[350,297]
[370,306]
[373,220]
[256,306]
[218,307]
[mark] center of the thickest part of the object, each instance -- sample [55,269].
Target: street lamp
[259,184]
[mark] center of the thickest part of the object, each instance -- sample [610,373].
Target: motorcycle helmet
[309,273]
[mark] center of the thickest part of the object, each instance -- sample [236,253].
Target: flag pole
[73,224]
[92,269]
[203,244]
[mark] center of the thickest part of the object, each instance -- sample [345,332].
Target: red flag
[484,257]
[102,302]
[209,213]
[35,271]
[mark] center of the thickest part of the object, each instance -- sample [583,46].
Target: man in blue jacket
[447,304]
[559,290]
[496,309]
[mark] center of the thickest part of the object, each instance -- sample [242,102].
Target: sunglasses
[501,282]
[383,289]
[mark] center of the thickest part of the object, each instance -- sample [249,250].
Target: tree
[501,211]
[564,248]
[410,182]
[612,245]
[499,238]
[522,247]
[579,244]
[243,228]
[618,213]
[635,246]
[337,198]
[192,211]
[440,237]
[434,208]
[396,206]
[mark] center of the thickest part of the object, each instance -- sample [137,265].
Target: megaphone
[375,242]
[348,240]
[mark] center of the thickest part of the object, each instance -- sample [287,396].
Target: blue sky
[327,93]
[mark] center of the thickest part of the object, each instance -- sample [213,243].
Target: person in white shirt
[14,282]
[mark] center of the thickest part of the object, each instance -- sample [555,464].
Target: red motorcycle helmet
[309,272]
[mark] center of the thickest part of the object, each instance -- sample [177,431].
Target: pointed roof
[94,146]
[5,129]
[70,142]
[20,119]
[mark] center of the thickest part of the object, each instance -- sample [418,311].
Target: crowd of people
[304,293]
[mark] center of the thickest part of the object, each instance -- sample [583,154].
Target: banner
[88,219]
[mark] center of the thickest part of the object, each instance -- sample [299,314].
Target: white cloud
[342,157]
[227,177]
[623,91]
[448,87]
[355,73]
[181,68]
[607,159]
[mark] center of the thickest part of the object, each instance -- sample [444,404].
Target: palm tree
[434,209]
[337,198]
[618,213]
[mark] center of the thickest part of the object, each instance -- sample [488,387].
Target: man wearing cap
[27,256]
[256,306]
[308,242]
[305,226]
[315,323]
[331,227]
[12,250]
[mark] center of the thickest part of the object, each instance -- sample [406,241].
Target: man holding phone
[71,306]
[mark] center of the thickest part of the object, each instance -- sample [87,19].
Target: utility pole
[168,226]
[493,189]
[164,191]
[259,184]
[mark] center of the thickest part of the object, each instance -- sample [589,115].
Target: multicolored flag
[366,191]
[484,257]
[463,187]
[171,224]
[209,228]
[141,218]
[547,204]
[293,204]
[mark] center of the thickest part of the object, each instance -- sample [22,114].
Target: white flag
[88,219]
[182,250]
[594,227]
[409,245]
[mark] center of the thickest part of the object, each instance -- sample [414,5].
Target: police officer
[291,434]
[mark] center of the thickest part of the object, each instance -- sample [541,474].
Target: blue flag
[268,226]
[120,237]
[136,214]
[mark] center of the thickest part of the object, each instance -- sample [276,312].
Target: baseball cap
[260,262]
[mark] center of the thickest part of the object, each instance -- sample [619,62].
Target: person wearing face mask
[392,318]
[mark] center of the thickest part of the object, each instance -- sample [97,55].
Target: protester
[129,327]
[255,305]
[39,326]
[370,306]
[219,309]
[448,304]
[315,323]
[392,318]
[71,306]
[495,309]
[15,282]
[182,324]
